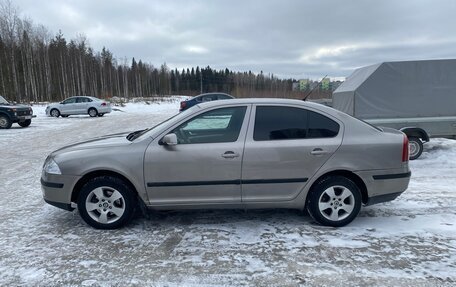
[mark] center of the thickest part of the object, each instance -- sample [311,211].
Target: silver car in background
[246,153]
[80,105]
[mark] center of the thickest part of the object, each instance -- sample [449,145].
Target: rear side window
[321,126]
[282,123]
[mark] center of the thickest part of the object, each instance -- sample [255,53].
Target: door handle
[318,151]
[230,154]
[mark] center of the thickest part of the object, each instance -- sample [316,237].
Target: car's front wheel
[55,113]
[25,123]
[93,112]
[106,202]
[5,122]
[334,201]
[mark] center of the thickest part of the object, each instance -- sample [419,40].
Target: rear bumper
[382,198]
[104,110]
[385,185]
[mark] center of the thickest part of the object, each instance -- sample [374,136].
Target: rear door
[205,166]
[285,146]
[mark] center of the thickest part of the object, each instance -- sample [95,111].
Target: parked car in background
[246,153]
[10,113]
[203,98]
[80,105]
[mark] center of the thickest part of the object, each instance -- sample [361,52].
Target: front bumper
[19,119]
[57,189]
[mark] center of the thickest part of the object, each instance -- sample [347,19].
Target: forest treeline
[37,67]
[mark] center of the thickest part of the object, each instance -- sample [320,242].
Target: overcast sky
[297,39]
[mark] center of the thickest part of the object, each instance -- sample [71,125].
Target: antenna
[310,92]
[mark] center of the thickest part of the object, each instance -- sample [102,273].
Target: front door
[205,166]
[68,106]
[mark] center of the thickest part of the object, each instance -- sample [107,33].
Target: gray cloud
[287,38]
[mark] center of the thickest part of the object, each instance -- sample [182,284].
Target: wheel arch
[2,113]
[345,173]
[416,132]
[97,173]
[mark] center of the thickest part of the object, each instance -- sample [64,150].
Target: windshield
[3,101]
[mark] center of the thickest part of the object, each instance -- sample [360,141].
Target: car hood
[100,142]
[18,107]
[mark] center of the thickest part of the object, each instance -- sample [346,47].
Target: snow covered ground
[408,242]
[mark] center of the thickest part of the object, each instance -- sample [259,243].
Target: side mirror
[169,139]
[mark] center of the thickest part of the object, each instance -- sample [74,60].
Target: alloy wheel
[336,203]
[105,204]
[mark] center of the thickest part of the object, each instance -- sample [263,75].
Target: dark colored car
[203,98]
[10,113]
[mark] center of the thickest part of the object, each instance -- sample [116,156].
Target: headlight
[50,166]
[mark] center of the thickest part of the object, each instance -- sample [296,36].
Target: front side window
[70,101]
[216,126]
[209,98]
[285,123]
[223,97]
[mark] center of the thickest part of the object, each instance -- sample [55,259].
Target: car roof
[213,93]
[271,101]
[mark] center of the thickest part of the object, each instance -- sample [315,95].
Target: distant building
[325,83]
[313,85]
[295,86]
[304,84]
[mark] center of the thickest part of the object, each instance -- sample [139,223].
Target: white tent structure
[399,90]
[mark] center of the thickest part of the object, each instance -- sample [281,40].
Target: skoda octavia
[246,153]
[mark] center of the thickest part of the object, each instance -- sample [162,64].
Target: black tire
[92,112]
[100,115]
[106,215]
[25,123]
[322,207]
[5,122]
[415,148]
[54,113]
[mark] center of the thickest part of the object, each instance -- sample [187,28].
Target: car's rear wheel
[5,122]
[93,112]
[55,113]
[106,203]
[334,201]
[25,123]
[415,147]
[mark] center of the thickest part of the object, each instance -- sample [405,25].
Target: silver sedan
[249,153]
[81,105]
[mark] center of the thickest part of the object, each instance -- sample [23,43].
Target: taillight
[405,149]
[183,105]
[103,104]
